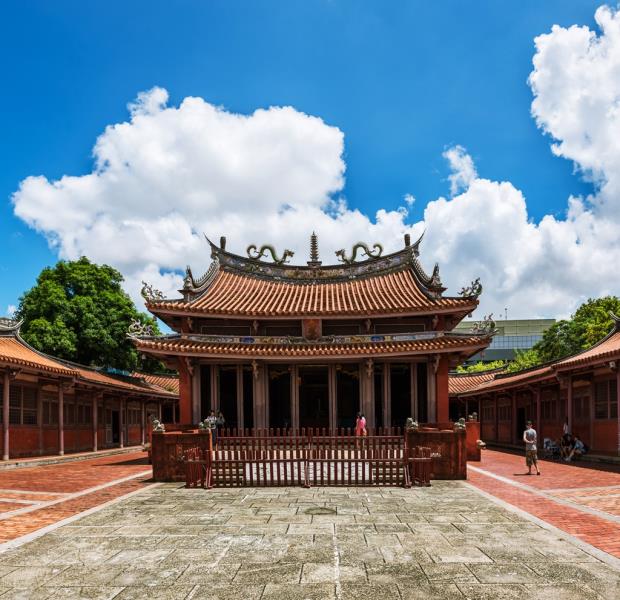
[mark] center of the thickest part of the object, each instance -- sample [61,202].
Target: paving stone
[445,591]
[307,591]
[483,591]
[177,592]
[230,592]
[504,573]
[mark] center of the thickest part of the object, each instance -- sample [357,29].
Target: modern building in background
[512,335]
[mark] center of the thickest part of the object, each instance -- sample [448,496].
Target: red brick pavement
[558,480]
[64,480]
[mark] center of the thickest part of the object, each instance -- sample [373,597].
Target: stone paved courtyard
[447,541]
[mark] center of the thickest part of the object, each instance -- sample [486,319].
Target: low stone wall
[167,449]
[442,439]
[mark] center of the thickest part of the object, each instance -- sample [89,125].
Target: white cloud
[10,310]
[462,167]
[409,199]
[170,173]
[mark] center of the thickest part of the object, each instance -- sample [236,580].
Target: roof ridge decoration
[137,329]
[256,254]
[473,290]
[342,257]
[616,321]
[150,293]
[9,326]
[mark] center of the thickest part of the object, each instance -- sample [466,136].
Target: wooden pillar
[61,420]
[442,391]
[513,424]
[185,391]
[6,384]
[569,403]
[95,421]
[239,374]
[196,396]
[258,392]
[538,412]
[143,422]
[294,370]
[387,395]
[215,388]
[332,399]
[159,410]
[431,394]
[367,391]
[121,423]
[40,417]
[618,405]
[414,391]
[496,417]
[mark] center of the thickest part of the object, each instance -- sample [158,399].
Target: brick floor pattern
[60,481]
[584,484]
[447,541]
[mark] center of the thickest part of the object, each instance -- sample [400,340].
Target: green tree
[480,366]
[590,324]
[525,359]
[78,311]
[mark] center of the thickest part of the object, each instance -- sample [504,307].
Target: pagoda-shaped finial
[314,251]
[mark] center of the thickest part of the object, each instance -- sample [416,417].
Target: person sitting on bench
[579,449]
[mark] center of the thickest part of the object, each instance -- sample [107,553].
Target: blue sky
[403,81]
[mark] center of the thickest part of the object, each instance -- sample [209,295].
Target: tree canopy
[78,311]
[480,367]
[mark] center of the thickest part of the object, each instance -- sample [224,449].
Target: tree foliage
[78,311]
[525,359]
[480,366]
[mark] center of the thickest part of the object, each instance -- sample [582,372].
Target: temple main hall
[272,344]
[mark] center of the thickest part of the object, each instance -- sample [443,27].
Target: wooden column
[143,422]
[387,395]
[6,385]
[367,391]
[196,396]
[185,390]
[431,394]
[618,405]
[239,374]
[538,412]
[95,421]
[294,396]
[61,420]
[159,410]
[121,422]
[569,403]
[40,418]
[414,391]
[258,393]
[513,434]
[332,399]
[496,417]
[442,391]
[215,388]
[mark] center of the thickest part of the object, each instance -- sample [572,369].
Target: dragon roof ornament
[9,326]
[255,253]
[473,290]
[366,251]
[150,294]
[484,327]
[138,329]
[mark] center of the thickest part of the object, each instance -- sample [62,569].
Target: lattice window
[29,406]
[601,400]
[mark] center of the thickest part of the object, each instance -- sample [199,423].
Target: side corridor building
[51,406]
[583,389]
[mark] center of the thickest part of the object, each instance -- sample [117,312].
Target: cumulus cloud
[170,173]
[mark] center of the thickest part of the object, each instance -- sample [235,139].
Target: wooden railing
[308,460]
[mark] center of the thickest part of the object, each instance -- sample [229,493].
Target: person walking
[531,457]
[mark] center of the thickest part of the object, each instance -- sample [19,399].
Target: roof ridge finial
[314,251]
[616,320]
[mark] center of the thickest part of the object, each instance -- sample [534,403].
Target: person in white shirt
[565,428]
[531,456]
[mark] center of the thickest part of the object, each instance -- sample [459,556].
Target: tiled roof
[186,345]
[97,377]
[607,348]
[16,353]
[169,383]
[233,293]
[512,380]
[458,383]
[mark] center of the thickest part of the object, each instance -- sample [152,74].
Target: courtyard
[485,538]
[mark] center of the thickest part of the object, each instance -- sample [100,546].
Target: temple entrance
[347,394]
[400,387]
[228,394]
[279,396]
[313,397]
